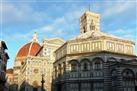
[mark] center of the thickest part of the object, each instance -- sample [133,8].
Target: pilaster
[119,78]
[107,77]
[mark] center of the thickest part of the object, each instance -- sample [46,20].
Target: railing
[81,75]
[88,74]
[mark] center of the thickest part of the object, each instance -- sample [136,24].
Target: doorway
[35,89]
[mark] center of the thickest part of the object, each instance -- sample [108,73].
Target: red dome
[30,49]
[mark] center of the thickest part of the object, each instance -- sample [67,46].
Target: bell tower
[89,21]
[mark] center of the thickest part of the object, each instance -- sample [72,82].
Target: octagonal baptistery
[87,61]
[92,40]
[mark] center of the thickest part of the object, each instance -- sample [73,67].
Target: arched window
[127,74]
[97,67]
[85,65]
[84,28]
[74,66]
[98,64]
[128,80]
[35,86]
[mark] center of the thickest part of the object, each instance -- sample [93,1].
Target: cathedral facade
[95,61]
[33,62]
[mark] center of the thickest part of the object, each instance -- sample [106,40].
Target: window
[127,74]
[84,66]
[73,87]
[97,65]
[92,27]
[35,89]
[35,85]
[74,66]
[64,66]
[85,87]
[59,69]
[98,86]
[128,80]
[47,51]
[84,28]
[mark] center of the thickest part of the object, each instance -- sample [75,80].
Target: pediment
[57,41]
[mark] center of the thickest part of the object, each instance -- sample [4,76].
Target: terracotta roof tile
[9,71]
[30,49]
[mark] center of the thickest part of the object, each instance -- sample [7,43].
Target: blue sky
[49,18]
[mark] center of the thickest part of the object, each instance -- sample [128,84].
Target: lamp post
[42,82]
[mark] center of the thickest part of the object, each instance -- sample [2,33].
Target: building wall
[16,73]
[32,72]
[3,65]
[95,45]
[10,80]
[95,77]
[28,70]
[95,61]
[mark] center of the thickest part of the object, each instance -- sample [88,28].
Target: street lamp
[42,82]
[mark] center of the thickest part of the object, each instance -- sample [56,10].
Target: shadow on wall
[28,87]
[119,71]
[11,87]
[24,87]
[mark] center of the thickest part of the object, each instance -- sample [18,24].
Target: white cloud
[45,28]
[125,33]
[118,7]
[13,14]
[63,25]
[66,24]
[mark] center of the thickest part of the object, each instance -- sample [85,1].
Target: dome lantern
[35,37]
